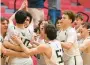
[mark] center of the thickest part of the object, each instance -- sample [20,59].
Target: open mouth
[75,23]
[42,28]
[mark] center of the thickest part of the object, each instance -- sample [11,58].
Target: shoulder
[71,31]
[43,46]
[87,40]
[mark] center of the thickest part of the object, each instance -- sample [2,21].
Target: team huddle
[59,44]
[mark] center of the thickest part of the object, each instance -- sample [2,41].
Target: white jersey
[86,53]
[69,35]
[25,37]
[25,34]
[57,54]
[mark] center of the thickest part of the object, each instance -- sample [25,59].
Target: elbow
[69,46]
[5,45]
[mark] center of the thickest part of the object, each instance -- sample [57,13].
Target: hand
[36,43]
[24,5]
[16,39]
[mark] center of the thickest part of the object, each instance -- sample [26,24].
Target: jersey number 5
[59,56]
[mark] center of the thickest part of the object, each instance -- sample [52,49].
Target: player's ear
[89,31]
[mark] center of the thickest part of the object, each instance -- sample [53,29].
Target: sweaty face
[4,26]
[27,22]
[65,20]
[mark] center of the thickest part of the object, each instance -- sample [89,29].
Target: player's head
[50,31]
[20,17]
[28,20]
[68,18]
[78,20]
[84,29]
[4,24]
[41,25]
[57,23]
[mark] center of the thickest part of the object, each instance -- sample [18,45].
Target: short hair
[79,16]
[70,14]
[59,18]
[20,17]
[50,31]
[86,25]
[3,19]
[29,15]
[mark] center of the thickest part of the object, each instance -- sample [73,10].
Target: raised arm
[23,7]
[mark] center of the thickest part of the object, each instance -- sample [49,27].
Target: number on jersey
[26,42]
[59,56]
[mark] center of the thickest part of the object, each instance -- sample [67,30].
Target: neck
[65,27]
[42,36]
[3,34]
[21,26]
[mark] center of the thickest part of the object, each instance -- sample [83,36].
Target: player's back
[57,54]
[25,36]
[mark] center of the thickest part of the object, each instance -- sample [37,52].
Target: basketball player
[85,46]
[3,30]
[52,50]
[40,40]
[6,52]
[68,37]
[23,33]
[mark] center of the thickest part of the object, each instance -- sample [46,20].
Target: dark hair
[3,19]
[36,29]
[70,14]
[20,17]
[79,16]
[59,18]
[29,15]
[86,25]
[50,31]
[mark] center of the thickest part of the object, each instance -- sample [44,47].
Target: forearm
[24,48]
[9,52]
[12,46]
[66,45]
